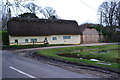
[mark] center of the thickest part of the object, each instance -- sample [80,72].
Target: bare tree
[8,7]
[109,12]
[49,13]
[117,13]
[6,13]
[32,7]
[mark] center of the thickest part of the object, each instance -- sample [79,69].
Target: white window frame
[66,37]
[54,38]
[33,40]
[26,40]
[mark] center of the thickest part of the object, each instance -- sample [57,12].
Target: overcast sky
[80,10]
[74,9]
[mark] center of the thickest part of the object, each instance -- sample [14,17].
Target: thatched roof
[41,27]
[82,27]
[89,26]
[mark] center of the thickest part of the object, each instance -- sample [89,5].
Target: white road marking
[22,72]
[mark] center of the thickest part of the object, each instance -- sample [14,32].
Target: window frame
[54,38]
[26,40]
[66,37]
[33,40]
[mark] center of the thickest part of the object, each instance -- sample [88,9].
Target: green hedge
[5,38]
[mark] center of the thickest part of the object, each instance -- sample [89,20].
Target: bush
[109,32]
[5,38]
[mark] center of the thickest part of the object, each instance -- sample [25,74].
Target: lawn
[110,55]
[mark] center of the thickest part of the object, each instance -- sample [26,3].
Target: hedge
[5,38]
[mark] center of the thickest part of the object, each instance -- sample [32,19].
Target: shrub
[5,38]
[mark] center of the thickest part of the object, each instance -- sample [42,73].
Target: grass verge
[111,57]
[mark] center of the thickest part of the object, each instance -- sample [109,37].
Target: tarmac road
[49,47]
[15,66]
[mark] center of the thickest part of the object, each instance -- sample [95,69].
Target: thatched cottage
[35,31]
[23,31]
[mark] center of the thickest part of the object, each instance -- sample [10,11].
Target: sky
[74,9]
[83,11]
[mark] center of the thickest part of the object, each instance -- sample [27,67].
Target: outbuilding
[89,34]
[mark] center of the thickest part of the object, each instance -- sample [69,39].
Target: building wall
[89,31]
[90,36]
[74,39]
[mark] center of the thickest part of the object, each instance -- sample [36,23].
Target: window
[16,40]
[33,40]
[66,37]
[54,38]
[26,40]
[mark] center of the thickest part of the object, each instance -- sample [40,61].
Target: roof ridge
[37,20]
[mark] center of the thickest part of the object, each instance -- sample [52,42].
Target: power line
[88,5]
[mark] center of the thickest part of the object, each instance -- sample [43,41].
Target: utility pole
[101,26]
[101,18]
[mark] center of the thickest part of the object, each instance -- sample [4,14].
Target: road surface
[15,66]
[49,47]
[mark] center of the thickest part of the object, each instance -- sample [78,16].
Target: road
[15,66]
[49,47]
